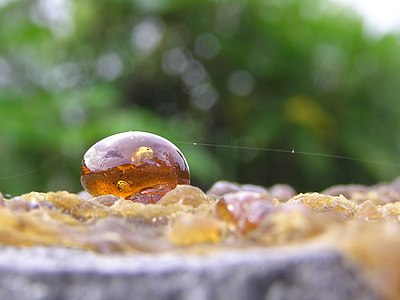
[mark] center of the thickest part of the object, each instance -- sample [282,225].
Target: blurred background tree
[280,74]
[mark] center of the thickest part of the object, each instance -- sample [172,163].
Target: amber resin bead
[135,165]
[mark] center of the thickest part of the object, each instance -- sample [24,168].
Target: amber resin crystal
[135,165]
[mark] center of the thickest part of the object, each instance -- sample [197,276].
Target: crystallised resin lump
[134,165]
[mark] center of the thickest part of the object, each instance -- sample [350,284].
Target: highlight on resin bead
[134,165]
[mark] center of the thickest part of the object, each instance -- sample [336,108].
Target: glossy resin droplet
[134,165]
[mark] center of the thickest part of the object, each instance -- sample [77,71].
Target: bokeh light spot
[204,96]
[174,61]
[109,66]
[194,74]
[206,46]
[241,83]
[147,35]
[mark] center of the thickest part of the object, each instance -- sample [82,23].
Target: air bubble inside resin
[134,165]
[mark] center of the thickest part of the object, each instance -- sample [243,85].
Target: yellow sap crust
[362,225]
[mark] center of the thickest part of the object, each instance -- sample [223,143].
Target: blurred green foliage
[278,74]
